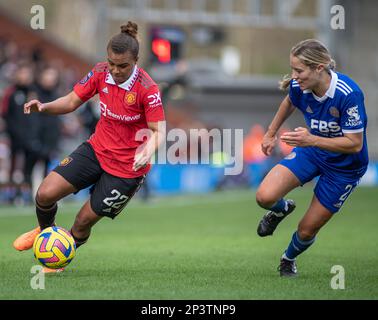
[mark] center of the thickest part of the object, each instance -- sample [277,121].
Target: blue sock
[279,206]
[297,246]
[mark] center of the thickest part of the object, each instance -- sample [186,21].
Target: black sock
[46,214]
[79,241]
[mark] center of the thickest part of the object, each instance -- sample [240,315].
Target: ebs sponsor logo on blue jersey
[326,127]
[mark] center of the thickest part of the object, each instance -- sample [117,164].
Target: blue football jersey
[341,110]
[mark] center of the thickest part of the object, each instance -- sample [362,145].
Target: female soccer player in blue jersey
[332,148]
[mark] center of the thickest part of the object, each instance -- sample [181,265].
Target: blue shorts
[333,186]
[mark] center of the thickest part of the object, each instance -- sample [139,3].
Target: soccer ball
[54,247]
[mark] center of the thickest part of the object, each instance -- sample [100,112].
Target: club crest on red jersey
[65,161]
[130,98]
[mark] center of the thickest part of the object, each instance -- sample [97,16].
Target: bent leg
[277,183]
[53,188]
[85,220]
[313,220]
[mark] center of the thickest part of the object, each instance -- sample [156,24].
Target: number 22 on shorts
[116,202]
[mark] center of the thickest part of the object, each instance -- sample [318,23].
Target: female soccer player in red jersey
[114,160]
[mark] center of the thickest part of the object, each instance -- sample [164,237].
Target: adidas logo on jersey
[105,90]
[309,110]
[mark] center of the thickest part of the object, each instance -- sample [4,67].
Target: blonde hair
[311,53]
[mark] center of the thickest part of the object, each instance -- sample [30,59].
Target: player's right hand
[33,106]
[268,143]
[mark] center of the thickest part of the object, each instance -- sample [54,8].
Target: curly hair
[126,40]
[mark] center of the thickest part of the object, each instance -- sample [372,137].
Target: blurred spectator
[22,131]
[49,126]
[24,141]
[9,61]
[252,145]
[257,161]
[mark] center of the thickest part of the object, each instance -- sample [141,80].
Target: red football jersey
[125,109]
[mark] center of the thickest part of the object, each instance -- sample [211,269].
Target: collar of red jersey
[128,84]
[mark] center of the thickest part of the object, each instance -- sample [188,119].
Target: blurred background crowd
[217,63]
[34,143]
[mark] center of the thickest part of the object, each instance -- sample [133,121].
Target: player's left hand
[140,161]
[300,137]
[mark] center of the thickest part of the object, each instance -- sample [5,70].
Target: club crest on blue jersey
[86,78]
[334,112]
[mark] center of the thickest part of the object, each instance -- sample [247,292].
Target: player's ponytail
[285,82]
[126,40]
[331,65]
[131,29]
[310,52]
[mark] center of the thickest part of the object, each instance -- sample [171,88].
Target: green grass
[200,247]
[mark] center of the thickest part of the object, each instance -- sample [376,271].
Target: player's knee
[264,199]
[306,233]
[45,196]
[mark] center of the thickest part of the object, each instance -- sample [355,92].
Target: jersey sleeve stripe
[342,90]
[353,131]
[345,84]
[344,87]
[294,83]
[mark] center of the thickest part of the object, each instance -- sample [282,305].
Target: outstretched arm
[63,105]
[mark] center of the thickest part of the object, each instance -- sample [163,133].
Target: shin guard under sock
[46,215]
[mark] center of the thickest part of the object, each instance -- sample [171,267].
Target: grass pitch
[200,247]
